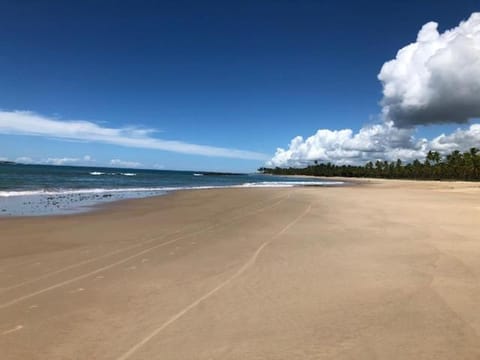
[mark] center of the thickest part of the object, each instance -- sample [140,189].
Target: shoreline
[78,201]
[363,179]
[108,205]
[388,269]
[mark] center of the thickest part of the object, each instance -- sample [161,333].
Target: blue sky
[246,75]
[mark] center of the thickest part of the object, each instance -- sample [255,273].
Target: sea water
[29,190]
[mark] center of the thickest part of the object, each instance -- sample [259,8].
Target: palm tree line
[454,166]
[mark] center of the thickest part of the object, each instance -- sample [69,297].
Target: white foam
[291,183]
[73,191]
[264,185]
[164,188]
[196,174]
[98,173]
[97,191]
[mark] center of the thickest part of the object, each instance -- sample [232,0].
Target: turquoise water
[47,190]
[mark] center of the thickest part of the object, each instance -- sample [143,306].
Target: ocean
[31,190]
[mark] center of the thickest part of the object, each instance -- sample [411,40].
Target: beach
[380,269]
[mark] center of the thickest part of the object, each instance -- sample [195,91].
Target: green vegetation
[455,166]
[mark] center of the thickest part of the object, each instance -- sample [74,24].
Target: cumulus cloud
[432,81]
[125,164]
[435,79]
[375,142]
[28,123]
[461,139]
[378,141]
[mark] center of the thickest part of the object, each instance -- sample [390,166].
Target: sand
[384,269]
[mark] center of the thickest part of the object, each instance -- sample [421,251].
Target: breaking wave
[263,184]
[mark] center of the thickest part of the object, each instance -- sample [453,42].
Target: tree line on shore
[454,166]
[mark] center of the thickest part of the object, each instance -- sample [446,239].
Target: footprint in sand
[76,290]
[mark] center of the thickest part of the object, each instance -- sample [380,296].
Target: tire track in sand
[250,262]
[140,253]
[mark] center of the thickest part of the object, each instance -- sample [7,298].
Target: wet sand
[387,269]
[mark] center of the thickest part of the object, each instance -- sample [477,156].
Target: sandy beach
[378,270]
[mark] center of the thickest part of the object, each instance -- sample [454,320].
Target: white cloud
[85,160]
[374,142]
[24,160]
[3,158]
[125,164]
[436,79]
[28,123]
[461,139]
[60,161]
[346,147]
[67,160]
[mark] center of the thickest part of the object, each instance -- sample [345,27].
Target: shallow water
[27,190]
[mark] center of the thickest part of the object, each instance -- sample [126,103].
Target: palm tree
[475,162]
[457,165]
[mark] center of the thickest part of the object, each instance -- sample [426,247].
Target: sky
[235,85]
